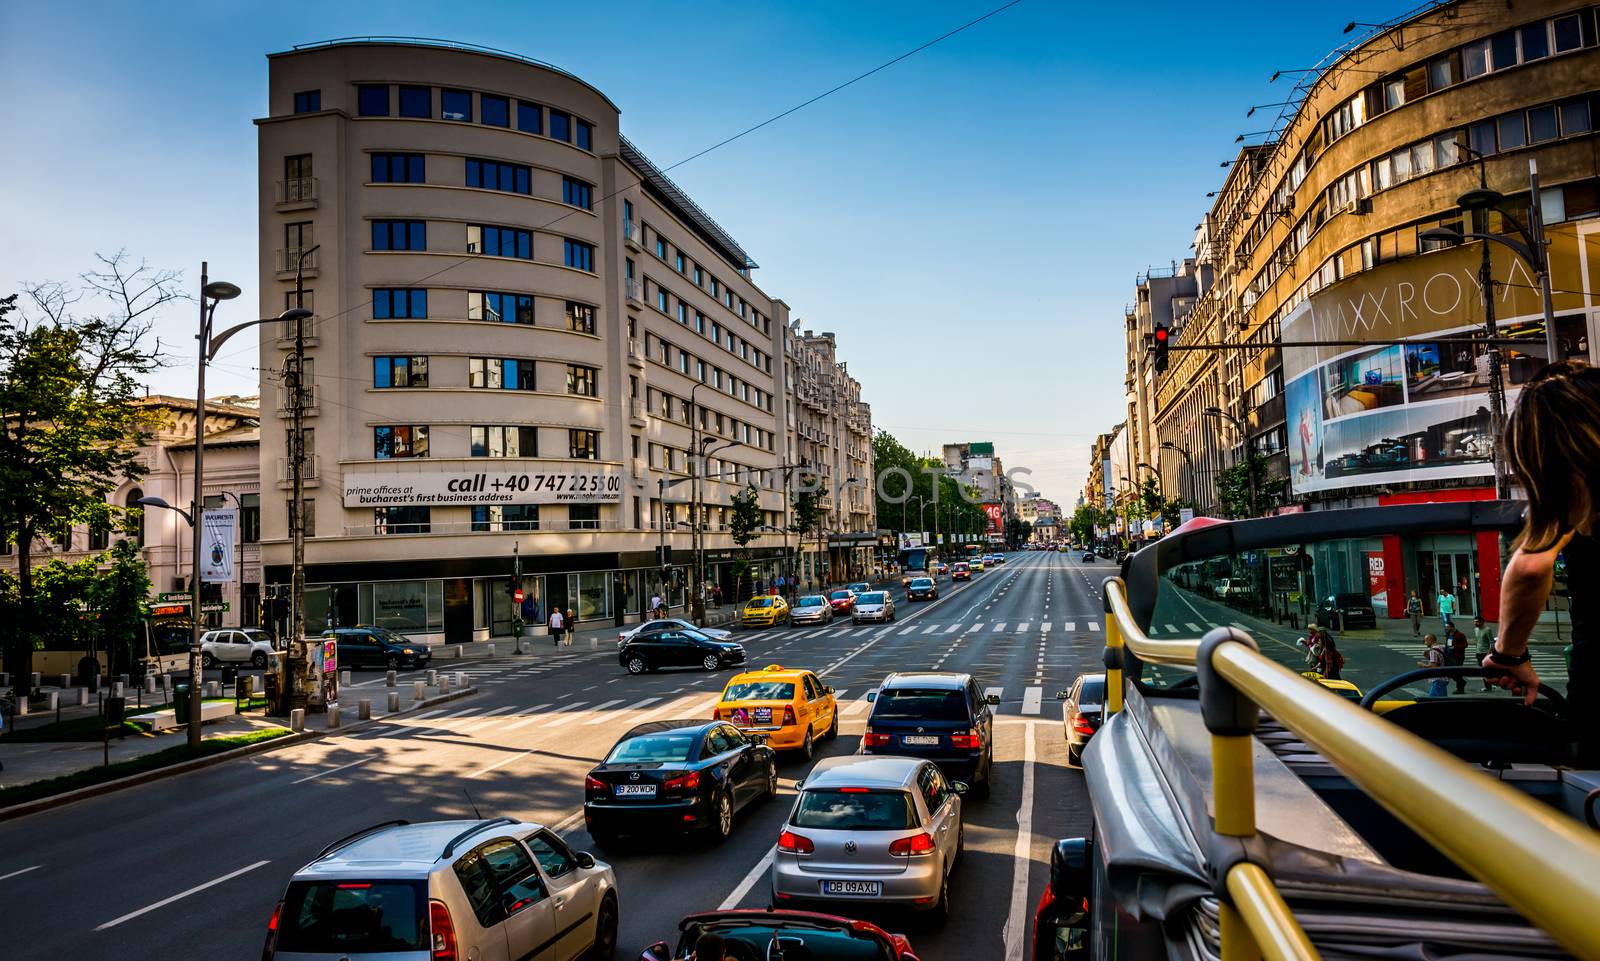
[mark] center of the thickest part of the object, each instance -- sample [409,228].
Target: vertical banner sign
[216,545]
[1377,583]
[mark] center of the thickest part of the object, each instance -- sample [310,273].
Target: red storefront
[1466,563]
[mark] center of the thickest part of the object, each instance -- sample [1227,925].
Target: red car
[748,934]
[843,601]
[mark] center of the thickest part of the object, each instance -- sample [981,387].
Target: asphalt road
[190,867]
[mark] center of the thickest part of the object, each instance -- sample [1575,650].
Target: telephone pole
[296,671]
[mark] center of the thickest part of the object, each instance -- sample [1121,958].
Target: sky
[969,222]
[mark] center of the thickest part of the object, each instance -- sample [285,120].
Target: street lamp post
[1160,487]
[1194,490]
[1244,445]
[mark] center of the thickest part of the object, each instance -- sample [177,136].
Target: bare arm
[1524,588]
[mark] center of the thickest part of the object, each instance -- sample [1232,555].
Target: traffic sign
[174,596]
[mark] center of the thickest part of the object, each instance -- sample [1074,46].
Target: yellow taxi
[975,565]
[764,610]
[790,707]
[1350,692]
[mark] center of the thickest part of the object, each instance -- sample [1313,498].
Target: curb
[183,767]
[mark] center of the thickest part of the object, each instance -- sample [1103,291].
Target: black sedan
[1083,712]
[684,647]
[922,589]
[1345,611]
[677,777]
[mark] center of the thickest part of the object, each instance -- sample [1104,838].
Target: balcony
[289,257]
[635,353]
[308,400]
[635,292]
[285,332]
[297,193]
[308,477]
[632,235]
[636,412]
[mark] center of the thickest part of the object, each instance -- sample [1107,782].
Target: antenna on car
[474,805]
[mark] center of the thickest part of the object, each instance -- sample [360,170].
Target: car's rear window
[910,704]
[803,941]
[1093,692]
[812,601]
[760,691]
[825,809]
[652,749]
[922,582]
[353,917]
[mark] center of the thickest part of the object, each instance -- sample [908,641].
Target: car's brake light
[852,790]
[788,714]
[715,716]
[876,738]
[443,931]
[683,782]
[915,846]
[272,933]
[964,740]
[792,843]
[593,784]
[1081,725]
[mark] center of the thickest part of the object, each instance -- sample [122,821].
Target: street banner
[996,515]
[1185,515]
[1377,583]
[217,528]
[909,541]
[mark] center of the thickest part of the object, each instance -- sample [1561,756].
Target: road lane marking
[1032,701]
[462,713]
[1191,625]
[636,705]
[1172,628]
[600,717]
[1015,935]
[331,770]
[1022,628]
[533,715]
[23,871]
[930,628]
[999,626]
[427,714]
[494,713]
[749,881]
[498,764]
[952,628]
[841,632]
[180,895]
[1094,626]
[571,714]
[858,706]
[1069,625]
[909,629]
[1045,627]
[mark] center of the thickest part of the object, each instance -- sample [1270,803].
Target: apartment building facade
[527,341]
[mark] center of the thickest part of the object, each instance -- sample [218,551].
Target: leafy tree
[1233,487]
[71,431]
[744,526]
[120,596]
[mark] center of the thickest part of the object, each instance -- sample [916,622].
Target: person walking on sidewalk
[1447,609]
[571,622]
[557,622]
[1414,611]
[1482,641]
[656,613]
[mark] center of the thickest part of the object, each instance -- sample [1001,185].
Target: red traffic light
[1162,334]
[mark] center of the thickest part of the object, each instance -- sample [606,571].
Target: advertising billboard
[601,484]
[996,515]
[1419,410]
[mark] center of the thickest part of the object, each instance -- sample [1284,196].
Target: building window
[401,520]
[399,303]
[1542,124]
[505,517]
[297,237]
[372,100]
[577,193]
[398,168]
[682,263]
[583,517]
[492,175]
[661,247]
[501,373]
[308,101]
[99,536]
[579,255]
[1569,33]
[585,133]
[663,302]
[250,518]
[493,110]
[1513,133]
[560,126]
[583,444]
[416,102]
[699,276]
[500,307]
[683,313]
[499,241]
[583,381]
[455,105]
[310,518]
[405,440]
[399,235]
[1575,118]
[499,441]
[530,117]
[399,372]
[580,317]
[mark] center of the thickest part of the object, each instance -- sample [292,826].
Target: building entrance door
[1453,572]
[457,610]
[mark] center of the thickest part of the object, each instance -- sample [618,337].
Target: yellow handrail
[1544,865]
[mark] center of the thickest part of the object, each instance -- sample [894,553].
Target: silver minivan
[879,830]
[490,890]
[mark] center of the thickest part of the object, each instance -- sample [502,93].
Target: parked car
[1082,713]
[677,777]
[377,647]
[789,707]
[671,624]
[884,830]
[1344,611]
[235,646]
[922,589]
[873,606]
[811,609]
[684,647]
[940,716]
[843,601]
[760,933]
[492,890]
[764,610]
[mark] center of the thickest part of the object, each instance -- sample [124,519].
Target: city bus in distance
[972,551]
[914,562]
[163,647]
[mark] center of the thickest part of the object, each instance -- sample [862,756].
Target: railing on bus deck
[1541,863]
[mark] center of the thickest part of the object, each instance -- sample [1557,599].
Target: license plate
[636,790]
[763,715]
[869,888]
[923,740]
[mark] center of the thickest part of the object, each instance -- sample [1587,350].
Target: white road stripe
[1015,935]
[1032,700]
[181,895]
[999,626]
[494,713]
[952,628]
[427,714]
[498,764]
[462,713]
[930,628]
[532,715]
[600,717]
[1069,625]
[1191,625]
[840,632]
[1022,628]
[1094,626]
[570,713]
[858,706]
[749,881]
[1172,628]
[23,871]
[1045,627]
[909,629]
[331,770]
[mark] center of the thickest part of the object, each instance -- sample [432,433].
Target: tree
[805,510]
[744,526]
[1233,487]
[71,432]
[120,596]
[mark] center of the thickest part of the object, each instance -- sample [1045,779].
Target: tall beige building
[524,330]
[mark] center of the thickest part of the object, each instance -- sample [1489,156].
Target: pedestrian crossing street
[1550,663]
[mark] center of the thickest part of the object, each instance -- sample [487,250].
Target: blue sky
[974,215]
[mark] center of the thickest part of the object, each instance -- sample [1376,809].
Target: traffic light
[513,585]
[1160,341]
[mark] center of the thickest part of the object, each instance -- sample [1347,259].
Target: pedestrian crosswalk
[1551,664]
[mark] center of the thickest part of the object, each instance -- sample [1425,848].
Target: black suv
[378,647]
[937,715]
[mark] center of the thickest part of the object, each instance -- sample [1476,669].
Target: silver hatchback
[880,830]
[873,606]
[488,890]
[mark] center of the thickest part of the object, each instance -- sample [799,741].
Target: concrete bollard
[117,689]
[433,678]
[53,701]
[333,718]
[364,709]
[344,678]
[297,719]
[461,680]
[65,681]
[123,678]
[22,706]
[594,643]
[419,691]
[83,697]
[394,702]
[149,683]
[213,689]
[389,679]
[444,684]
[490,649]
[460,651]
[35,680]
